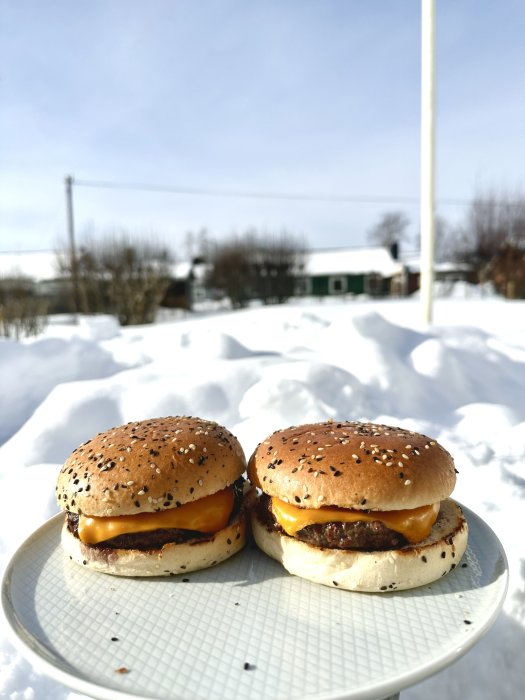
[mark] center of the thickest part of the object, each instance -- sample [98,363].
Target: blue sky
[296,96]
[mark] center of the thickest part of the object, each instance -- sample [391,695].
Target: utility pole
[72,246]
[427,206]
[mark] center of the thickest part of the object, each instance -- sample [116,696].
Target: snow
[461,380]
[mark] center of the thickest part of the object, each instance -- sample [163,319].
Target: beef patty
[155,539]
[363,535]
[145,541]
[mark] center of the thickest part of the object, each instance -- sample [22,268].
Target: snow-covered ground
[461,380]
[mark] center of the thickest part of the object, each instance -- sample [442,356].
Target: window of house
[337,285]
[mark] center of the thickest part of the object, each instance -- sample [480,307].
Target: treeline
[128,276]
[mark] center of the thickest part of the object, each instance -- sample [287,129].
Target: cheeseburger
[360,506]
[154,498]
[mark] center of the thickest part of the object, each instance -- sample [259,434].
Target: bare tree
[257,265]
[122,275]
[493,222]
[231,270]
[390,230]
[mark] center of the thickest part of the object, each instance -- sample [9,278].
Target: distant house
[187,284]
[337,271]
[38,266]
[446,272]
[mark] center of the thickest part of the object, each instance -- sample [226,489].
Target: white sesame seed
[157,470]
[200,482]
[407,482]
[405,456]
[130,483]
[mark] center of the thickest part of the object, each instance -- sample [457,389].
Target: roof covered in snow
[352,261]
[37,265]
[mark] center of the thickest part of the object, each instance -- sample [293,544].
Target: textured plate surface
[244,629]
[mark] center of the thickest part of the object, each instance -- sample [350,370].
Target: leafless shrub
[22,312]
[121,275]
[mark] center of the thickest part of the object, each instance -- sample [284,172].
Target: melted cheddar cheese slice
[414,523]
[208,514]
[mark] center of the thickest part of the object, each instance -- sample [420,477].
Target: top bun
[352,465]
[148,466]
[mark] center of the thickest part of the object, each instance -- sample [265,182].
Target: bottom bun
[377,571]
[169,560]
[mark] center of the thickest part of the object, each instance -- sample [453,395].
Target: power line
[252,194]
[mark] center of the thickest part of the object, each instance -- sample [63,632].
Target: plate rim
[378,689]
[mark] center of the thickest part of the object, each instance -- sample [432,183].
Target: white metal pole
[427,206]
[72,247]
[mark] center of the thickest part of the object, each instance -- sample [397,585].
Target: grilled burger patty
[155,539]
[144,541]
[362,535]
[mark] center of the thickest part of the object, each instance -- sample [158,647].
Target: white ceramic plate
[244,629]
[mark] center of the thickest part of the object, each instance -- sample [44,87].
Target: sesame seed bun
[385,478]
[116,487]
[150,465]
[352,465]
